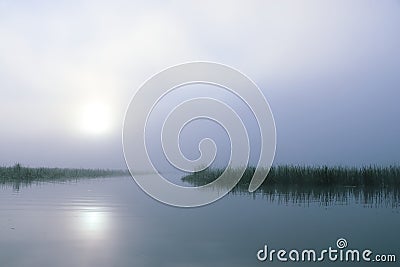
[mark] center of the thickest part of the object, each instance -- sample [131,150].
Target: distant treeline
[304,175]
[19,173]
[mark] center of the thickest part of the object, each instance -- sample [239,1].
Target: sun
[95,118]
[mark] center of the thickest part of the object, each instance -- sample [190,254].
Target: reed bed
[308,195]
[19,175]
[325,186]
[305,175]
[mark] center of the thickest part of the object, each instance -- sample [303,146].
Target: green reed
[18,174]
[306,175]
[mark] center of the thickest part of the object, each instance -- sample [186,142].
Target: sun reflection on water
[92,222]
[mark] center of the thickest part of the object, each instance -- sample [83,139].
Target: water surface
[111,222]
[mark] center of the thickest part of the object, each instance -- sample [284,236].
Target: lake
[111,222]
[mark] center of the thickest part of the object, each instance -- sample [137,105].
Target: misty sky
[329,69]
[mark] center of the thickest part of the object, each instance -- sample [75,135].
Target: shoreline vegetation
[371,176]
[18,175]
[285,184]
[326,186]
[278,175]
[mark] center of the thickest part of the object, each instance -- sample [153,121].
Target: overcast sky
[329,69]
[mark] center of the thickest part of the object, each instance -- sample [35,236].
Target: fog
[329,70]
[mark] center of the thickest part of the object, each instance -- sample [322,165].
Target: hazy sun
[95,118]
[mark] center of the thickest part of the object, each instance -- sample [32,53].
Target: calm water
[111,222]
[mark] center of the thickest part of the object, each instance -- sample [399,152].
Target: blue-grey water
[111,222]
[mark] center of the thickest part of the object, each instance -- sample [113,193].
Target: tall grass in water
[306,195]
[18,175]
[379,186]
[303,175]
